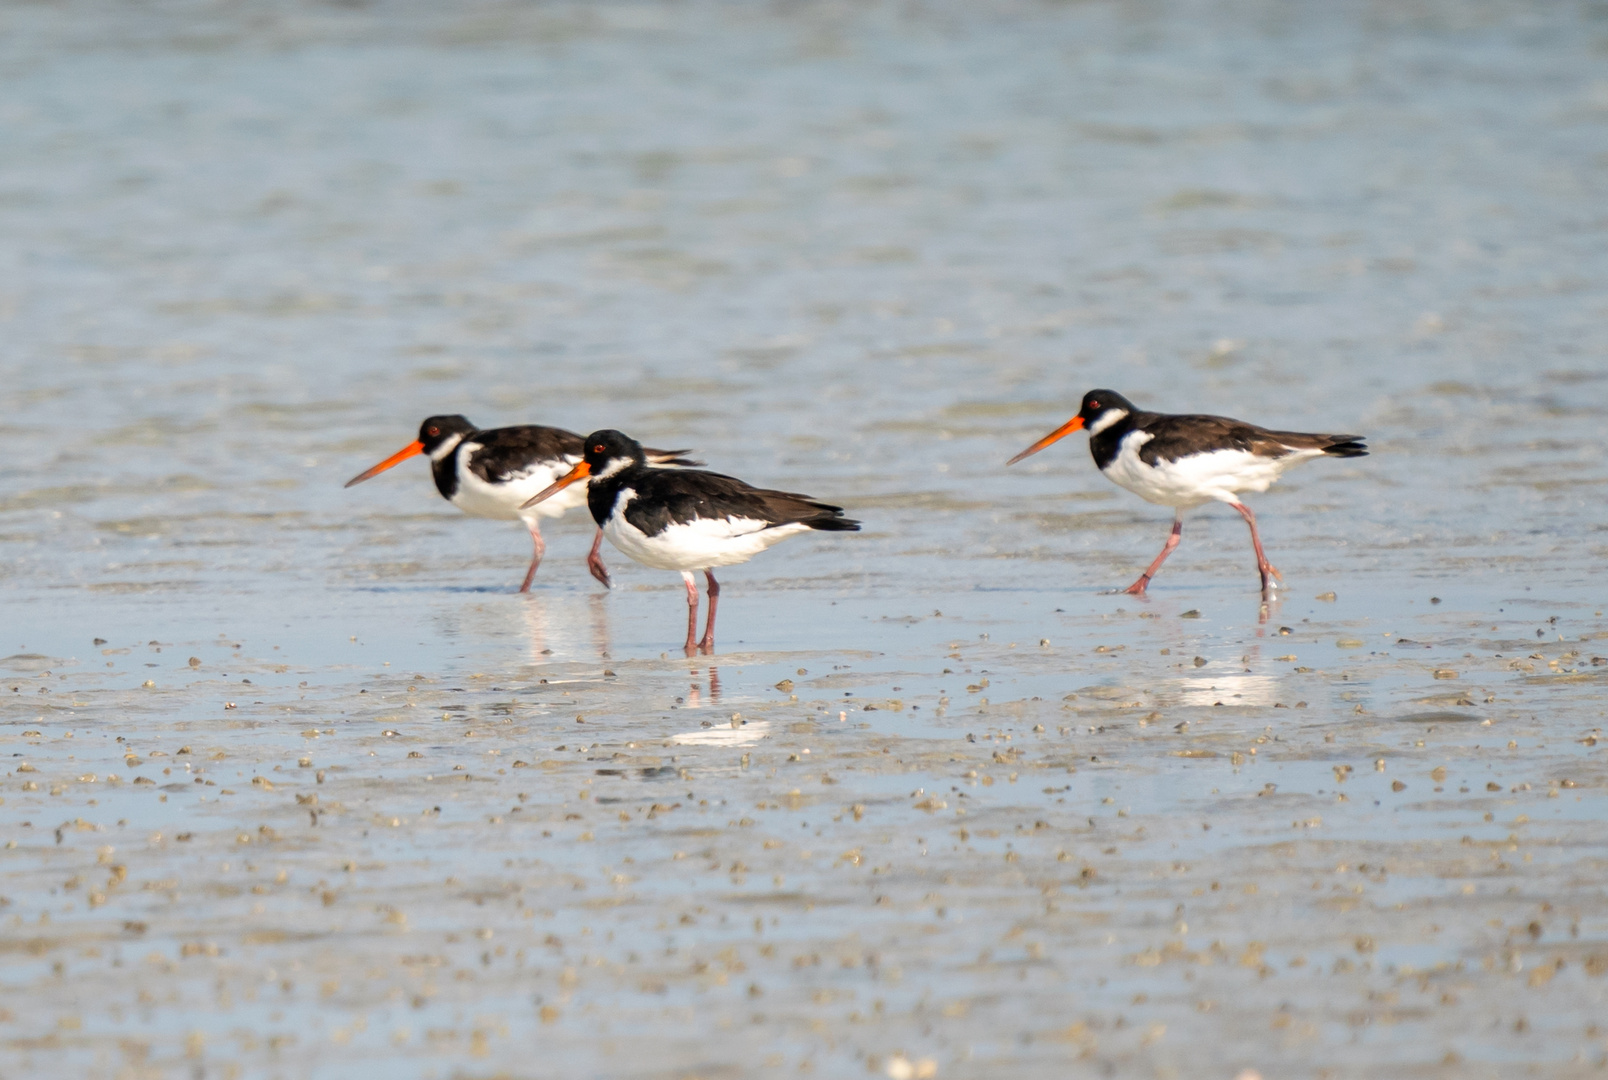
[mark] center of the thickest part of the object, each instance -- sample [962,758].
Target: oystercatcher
[492,474]
[1184,460]
[678,519]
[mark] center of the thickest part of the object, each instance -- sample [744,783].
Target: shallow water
[941,804]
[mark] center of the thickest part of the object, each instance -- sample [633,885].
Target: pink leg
[1265,568]
[594,561]
[536,559]
[692,613]
[1138,588]
[708,642]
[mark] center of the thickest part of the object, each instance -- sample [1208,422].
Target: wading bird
[685,519]
[1184,461]
[493,474]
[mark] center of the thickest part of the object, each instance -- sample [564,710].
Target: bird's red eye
[599,448]
[433,432]
[1094,404]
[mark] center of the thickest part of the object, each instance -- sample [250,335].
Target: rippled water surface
[299,786]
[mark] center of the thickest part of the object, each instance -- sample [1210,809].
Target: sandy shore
[297,787]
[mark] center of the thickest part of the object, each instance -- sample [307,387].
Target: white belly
[1220,475]
[696,545]
[502,501]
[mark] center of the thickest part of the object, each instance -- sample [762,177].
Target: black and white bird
[1184,461]
[684,519]
[493,474]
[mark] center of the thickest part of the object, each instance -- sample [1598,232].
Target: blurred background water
[864,250]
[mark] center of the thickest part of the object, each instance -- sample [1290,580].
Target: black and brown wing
[1181,436]
[674,497]
[675,458]
[508,453]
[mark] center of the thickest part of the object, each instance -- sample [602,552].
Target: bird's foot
[599,571]
[1137,588]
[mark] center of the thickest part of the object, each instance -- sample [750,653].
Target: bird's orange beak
[412,449]
[581,471]
[1074,424]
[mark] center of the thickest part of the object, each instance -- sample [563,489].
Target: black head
[1100,409]
[604,454]
[435,435]
[608,451]
[1099,403]
[436,430]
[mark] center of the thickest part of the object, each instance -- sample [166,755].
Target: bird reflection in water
[550,633]
[695,696]
[1233,688]
[1266,610]
[1236,680]
[719,730]
[598,605]
[534,613]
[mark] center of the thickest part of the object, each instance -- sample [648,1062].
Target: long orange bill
[581,471]
[412,449]
[1064,430]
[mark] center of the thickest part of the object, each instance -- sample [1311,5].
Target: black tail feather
[671,458]
[1347,446]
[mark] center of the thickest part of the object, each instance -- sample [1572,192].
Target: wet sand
[299,787]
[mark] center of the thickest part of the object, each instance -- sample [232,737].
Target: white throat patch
[1107,418]
[614,466]
[441,452]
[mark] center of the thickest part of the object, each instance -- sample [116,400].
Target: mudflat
[298,786]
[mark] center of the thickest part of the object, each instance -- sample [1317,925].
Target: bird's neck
[603,491]
[1105,443]
[444,468]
